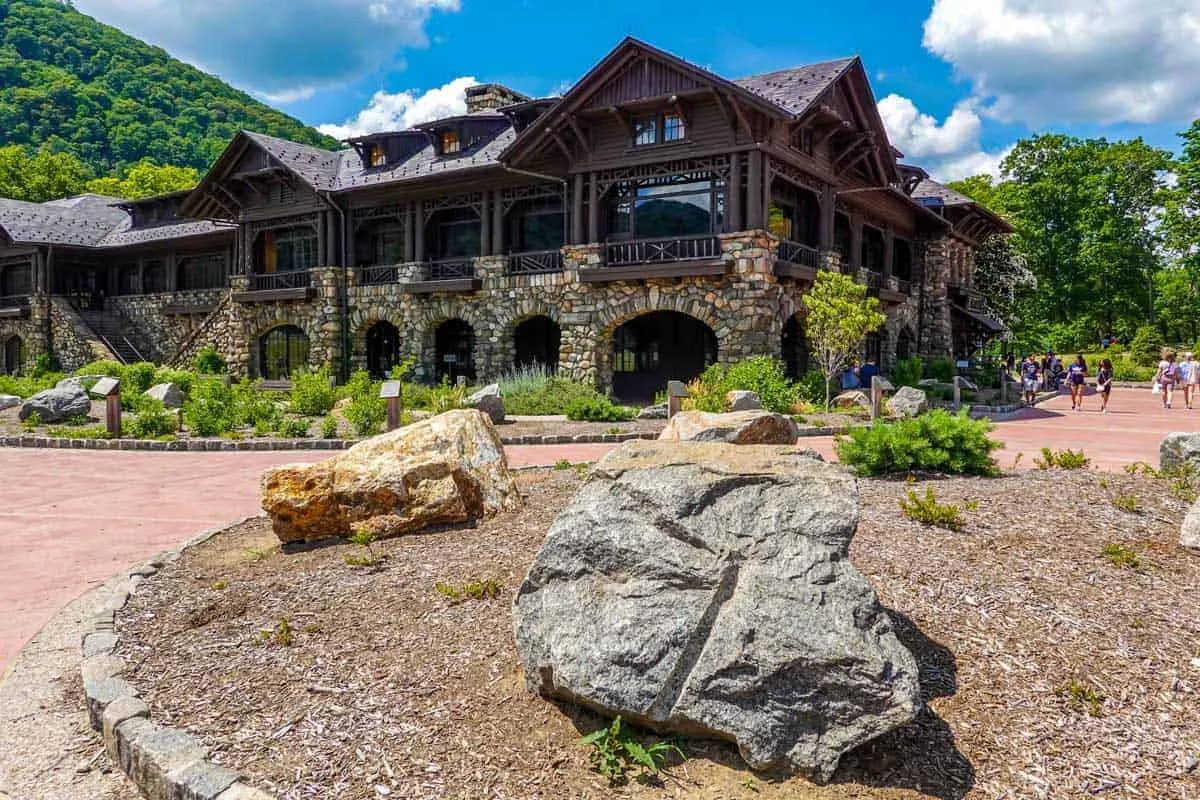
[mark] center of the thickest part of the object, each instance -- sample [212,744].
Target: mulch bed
[389,689]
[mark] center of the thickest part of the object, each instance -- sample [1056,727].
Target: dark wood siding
[641,79]
[612,145]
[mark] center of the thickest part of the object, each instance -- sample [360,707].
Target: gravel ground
[1049,671]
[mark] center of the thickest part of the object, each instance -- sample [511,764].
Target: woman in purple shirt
[1076,375]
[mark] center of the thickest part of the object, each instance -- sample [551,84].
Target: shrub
[1061,459]
[597,409]
[551,396]
[447,397]
[366,410]
[211,409]
[27,387]
[1145,349]
[312,393]
[329,427]
[138,377]
[941,370]
[92,432]
[152,422]
[760,374]
[184,379]
[936,442]
[252,406]
[418,395]
[811,387]
[525,379]
[366,557]
[46,364]
[907,372]
[1125,369]
[210,362]
[293,427]
[928,511]
[1122,556]
[614,752]
[103,368]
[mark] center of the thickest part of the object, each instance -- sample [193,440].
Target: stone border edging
[164,763]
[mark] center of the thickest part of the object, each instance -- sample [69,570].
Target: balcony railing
[799,254]
[265,281]
[873,279]
[535,263]
[14,301]
[378,275]
[903,286]
[449,269]
[659,251]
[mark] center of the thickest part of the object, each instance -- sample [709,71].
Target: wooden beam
[593,228]
[730,120]
[579,134]
[736,223]
[754,191]
[561,144]
[741,115]
[485,226]
[621,118]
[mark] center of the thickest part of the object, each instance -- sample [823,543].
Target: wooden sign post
[393,392]
[110,390]
[879,385]
[676,392]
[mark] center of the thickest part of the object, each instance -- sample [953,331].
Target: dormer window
[378,156]
[450,142]
[659,129]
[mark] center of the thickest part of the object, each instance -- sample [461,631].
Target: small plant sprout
[928,511]
[366,557]
[1122,556]
[1061,459]
[1126,502]
[447,591]
[1017,461]
[219,586]
[563,463]
[615,752]
[283,635]
[1079,696]
[484,589]
[256,553]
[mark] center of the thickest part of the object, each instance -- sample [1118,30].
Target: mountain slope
[72,83]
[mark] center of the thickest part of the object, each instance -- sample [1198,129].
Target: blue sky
[958,80]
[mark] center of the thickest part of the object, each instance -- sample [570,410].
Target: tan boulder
[448,469]
[738,427]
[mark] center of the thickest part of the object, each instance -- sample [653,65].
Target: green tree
[839,316]
[40,176]
[146,179]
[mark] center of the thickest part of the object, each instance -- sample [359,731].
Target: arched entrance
[795,348]
[383,349]
[904,345]
[13,356]
[454,348]
[537,340]
[282,351]
[658,347]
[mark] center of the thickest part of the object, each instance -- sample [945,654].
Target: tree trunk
[828,381]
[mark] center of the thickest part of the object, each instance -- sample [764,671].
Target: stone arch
[360,322]
[383,348]
[13,354]
[648,350]
[504,355]
[537,340]
[425,323]
[454,343]
[794,347]
[280,351]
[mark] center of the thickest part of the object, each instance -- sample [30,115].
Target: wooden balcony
[674,257]
[379,275]
[267,287]
[796,260]
[446,275]
[539,262]
[14,306]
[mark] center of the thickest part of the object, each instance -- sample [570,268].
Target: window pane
[450,142]
[459,239]
[673,128]
[541,232]
[675,215]
[645,130]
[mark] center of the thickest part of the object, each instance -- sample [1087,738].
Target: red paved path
[71,518]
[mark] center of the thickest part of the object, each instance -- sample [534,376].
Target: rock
[737,427]
[9,401]
[741,400]
[653,412]
[908,401]
[705,590]
[168,394]
[488,401]
[449,469]
[419,414]
[58,404]
[1189,534]
[851,399]
[1178,449]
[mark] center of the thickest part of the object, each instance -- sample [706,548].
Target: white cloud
[948,150]
[390,112]
[1104,61]
[283,49]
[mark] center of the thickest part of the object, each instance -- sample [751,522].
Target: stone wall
[32,333]
[164,333]
[934,338]
[72,340]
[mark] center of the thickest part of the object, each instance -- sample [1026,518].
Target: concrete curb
[261,445]
[164,763]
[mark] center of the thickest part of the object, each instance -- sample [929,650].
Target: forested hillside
[69,83]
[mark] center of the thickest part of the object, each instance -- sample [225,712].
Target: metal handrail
[655,251]
[450,269]
[380,274]
[800,254]
[295,279]
[535,262]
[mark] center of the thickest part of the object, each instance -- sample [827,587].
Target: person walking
[1029,378]
[1189,379]
[1104,380]
[1167,377]
[1076,380]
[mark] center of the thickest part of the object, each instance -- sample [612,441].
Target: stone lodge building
[653,220]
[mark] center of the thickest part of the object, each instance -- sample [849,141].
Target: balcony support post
[593,231]
[497,226]
[485,224]
[577,209]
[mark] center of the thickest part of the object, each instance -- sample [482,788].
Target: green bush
[255,407]
[27,387]
[366,410]
[811,387]
[92,432]
[293,427]
[211,409]
[760,374]
[1145,349]
[138,377]
[934,442]
[553,397]
[210,362]
[103,368]
[941,370]
[184,379]
[1125,370]
[528,379]
[597,409]
[312,393]
[447,397]
[45,365]
[417,395]
[907,372]
[152,422]
[1061,459]
[928,511]
[329,427]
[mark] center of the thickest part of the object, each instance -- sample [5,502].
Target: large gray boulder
[851,399]
[1178,449]
[736,427]
[168,394]
[742,400]
[908,401]
[58,404]
[9,401]
[489,401]
[705,590]
[1189,534]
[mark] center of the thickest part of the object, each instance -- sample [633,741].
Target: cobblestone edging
[164,763]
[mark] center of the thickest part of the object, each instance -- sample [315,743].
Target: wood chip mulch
[1049,671]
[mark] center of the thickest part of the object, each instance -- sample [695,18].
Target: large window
[378,155]
[537,225]
[684,206]
[456,234]
[645,130]
[902,260]
[15,280]
[287,249]
[794,214]
[281,352]
[872,256]
[450,142]
[379,243]
[203,271]
[841,236]
[154,276]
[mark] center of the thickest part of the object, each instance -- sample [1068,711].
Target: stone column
[828,204]
[889,251]
[934,331]
[419,232]
[498,243]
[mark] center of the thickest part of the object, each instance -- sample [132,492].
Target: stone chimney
[490,96]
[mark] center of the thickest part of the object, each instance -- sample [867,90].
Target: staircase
[112,329]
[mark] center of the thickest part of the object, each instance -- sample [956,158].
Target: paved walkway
[70,518]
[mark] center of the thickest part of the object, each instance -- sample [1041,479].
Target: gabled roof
[422,164]
[80,221]
[315,166]
[795,90]
[929,188]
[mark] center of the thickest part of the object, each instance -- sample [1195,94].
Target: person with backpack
[1104,381]
[1076,380]
[1167,377]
